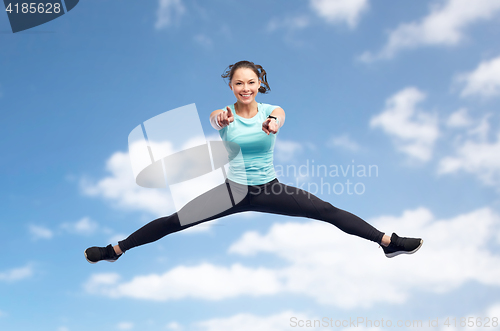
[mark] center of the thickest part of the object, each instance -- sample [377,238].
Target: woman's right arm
[220,118]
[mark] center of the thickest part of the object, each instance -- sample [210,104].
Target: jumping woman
[253,127]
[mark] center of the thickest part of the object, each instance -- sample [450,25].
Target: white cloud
[340,11]
[482,129]
[204,281]
[98,283]
[204,40]
[320,257]
[484,81]
[16,274]
[459,119]
[345,142]
[444,25]
[455,251]
[125,326]
[476,156]
[85,226]
[62,328]
[2,313]
[40,232]
[169,11]
[120,188]
[287,150]
[174,326]
[290,23]
[413,130]
[493,310]
[332,11]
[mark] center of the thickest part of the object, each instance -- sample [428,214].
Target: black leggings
[273,197]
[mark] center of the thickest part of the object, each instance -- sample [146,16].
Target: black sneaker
[96,254]
[402,245]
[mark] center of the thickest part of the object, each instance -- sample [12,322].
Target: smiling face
[245,85]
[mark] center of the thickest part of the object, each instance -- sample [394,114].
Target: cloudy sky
[392,114]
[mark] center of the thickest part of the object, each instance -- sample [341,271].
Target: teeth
[246,95]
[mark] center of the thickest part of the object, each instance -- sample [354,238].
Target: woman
[253,126]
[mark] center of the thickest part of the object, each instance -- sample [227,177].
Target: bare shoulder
[278,110]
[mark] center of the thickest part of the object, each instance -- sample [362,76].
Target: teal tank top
[256,166]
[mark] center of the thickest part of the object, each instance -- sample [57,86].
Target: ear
[230,86]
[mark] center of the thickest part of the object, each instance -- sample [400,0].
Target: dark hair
[230,70]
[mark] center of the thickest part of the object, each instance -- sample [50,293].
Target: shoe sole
[86,258]
[403,252]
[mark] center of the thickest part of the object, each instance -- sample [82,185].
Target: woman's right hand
[224,118]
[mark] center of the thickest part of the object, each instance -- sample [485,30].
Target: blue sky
[410,88]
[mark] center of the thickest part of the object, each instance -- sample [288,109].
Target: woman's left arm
[280,114]
[271,125]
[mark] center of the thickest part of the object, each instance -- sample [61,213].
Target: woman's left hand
[270,126]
